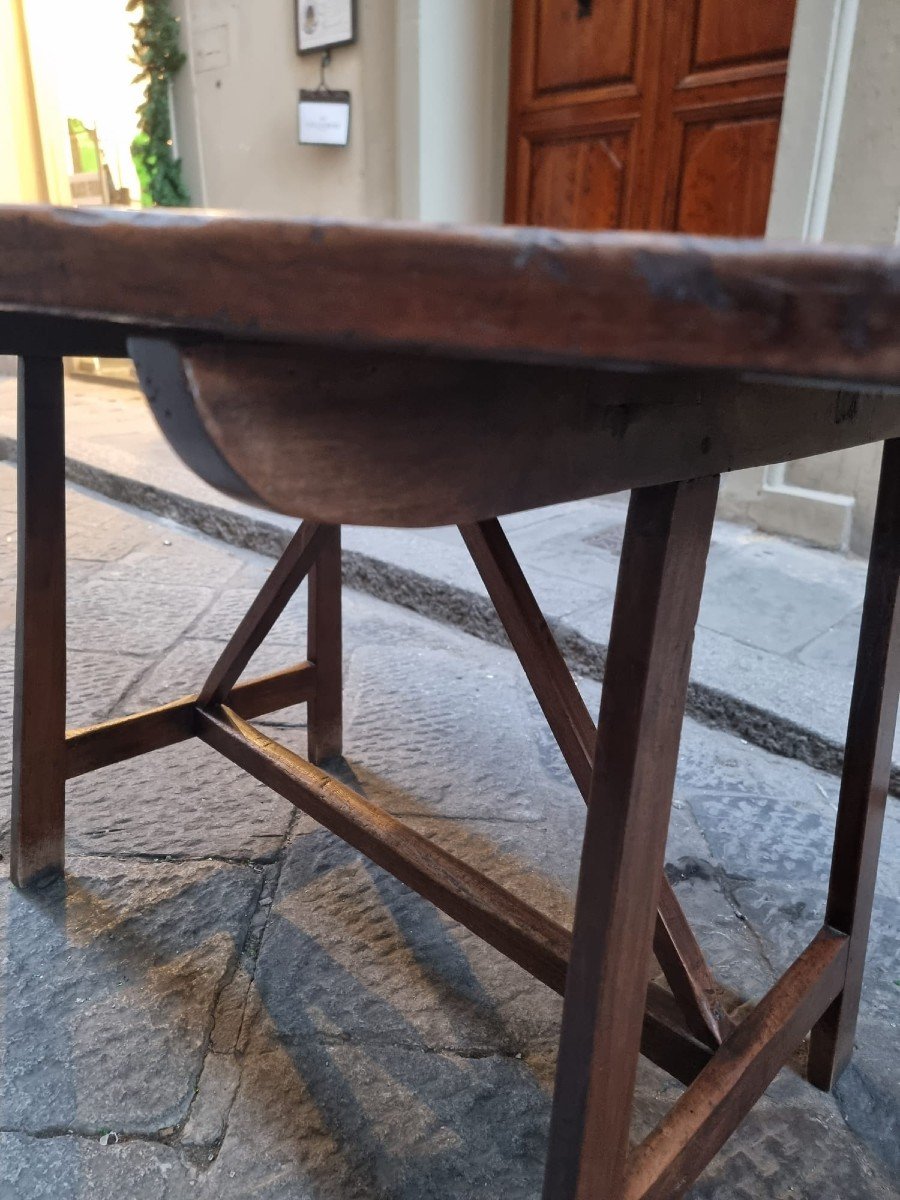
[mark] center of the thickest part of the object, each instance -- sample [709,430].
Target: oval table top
[398,374]
[501,293]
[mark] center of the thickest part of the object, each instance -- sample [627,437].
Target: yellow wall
[56,61]
[22,175]
[80,63]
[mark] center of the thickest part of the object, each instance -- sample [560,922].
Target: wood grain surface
[661,572]
[371,438]
[665,1164]
[37,827]
[505,293]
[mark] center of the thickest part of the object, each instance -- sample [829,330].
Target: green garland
[157,53]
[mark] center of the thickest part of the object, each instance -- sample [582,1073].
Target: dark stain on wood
[688,278]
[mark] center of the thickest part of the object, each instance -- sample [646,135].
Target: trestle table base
[624,767]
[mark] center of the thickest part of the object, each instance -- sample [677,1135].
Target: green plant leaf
[159,56]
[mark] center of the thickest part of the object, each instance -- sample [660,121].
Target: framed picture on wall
[323,24]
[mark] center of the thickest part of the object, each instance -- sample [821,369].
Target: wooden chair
[408,376]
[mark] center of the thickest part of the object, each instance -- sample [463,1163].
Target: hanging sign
[322,24]
[324,118]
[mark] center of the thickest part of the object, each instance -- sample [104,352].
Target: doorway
[646,114]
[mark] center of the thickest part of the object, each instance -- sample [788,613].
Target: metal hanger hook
[326,62]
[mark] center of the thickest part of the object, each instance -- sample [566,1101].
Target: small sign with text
[324,118]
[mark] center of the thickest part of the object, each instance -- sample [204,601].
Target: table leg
[866,775]
[324,648]
[677,950]
[39,710]
[660,580]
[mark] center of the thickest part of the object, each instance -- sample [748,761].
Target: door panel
[717,126]
[726,32]
[581,45]
[646,114]
[578,89]
[726,176]
[579,182]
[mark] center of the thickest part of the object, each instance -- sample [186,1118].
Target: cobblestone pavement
[254,1010]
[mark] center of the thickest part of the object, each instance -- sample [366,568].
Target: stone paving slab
[202,807]
[74,1168]
[109,987]
[257,1011]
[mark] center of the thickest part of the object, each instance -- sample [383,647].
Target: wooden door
[646,114]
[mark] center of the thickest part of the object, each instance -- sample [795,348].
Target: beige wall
[236,112]
[428,82]
[865,195]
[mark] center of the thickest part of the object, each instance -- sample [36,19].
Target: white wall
[837,178]
[463,74]
[863,206]
[811,120]
[865,197]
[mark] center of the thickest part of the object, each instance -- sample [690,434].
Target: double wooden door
[646,114]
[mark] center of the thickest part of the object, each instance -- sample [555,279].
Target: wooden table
[406,376]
